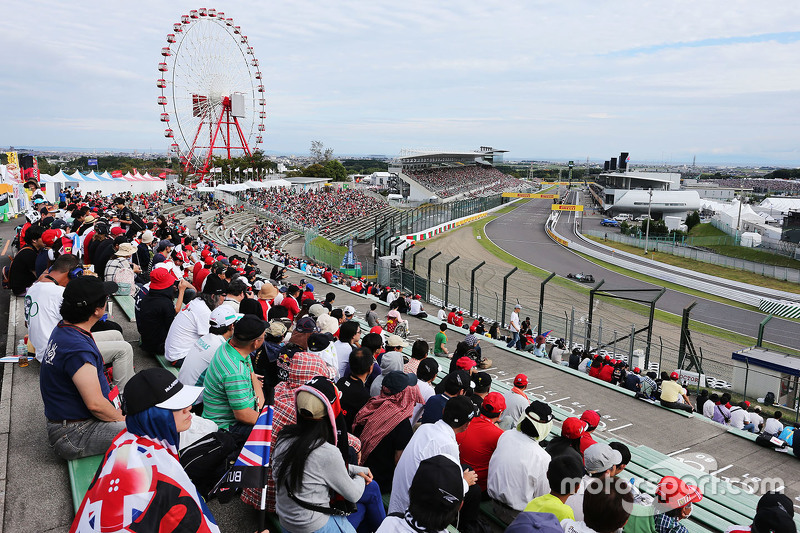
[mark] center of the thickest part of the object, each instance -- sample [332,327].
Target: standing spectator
[515,326]
[674,499]
[440,341]
[384,425]
[518,466]
[81,420]
[479,441]
[516,402]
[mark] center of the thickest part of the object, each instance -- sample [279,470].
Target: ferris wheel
[212,94]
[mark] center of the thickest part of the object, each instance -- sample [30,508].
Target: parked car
[622,217]
[641,218]
[609,222]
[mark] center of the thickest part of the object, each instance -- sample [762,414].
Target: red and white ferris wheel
[212,92]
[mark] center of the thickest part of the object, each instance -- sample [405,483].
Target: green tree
[692,220]
[334,171]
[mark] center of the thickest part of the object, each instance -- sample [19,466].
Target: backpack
[769,398]
[208,459]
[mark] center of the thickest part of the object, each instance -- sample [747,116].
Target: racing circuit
[521,233]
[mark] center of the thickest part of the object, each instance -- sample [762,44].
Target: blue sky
[661,80]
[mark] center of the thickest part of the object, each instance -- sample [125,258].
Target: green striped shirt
[228,386]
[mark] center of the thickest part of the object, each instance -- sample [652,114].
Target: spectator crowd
[476,180]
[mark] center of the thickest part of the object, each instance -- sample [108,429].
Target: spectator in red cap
[632,381]
[479,441]
[592,420]
[674,499]
[157,310]
[516,402]
[568,443]
[672,392]
[468,364]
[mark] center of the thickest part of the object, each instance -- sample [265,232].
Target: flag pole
[262,516]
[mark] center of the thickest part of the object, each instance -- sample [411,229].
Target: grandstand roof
[416,154]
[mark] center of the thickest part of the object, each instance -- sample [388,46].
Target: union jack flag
[249,468]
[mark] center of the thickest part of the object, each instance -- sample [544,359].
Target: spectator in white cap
[349,311]
[200,353]
[600,461]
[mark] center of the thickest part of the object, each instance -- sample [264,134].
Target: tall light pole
[647,232]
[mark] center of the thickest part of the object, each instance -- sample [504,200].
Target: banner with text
[530,195]
[566,207]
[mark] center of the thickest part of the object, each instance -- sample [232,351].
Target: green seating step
[81,474]
[127,304]
[162,360]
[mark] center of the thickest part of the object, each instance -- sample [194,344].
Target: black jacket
[157,311]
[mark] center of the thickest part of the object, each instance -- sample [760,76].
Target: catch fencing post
[541,301]
[430,261]
[633,335]
[472,285]
[447,278]
[505,294]
[414,260]
[572,327]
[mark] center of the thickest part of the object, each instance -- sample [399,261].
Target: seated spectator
[756,420]
[233,398]
[539,348]
[557,352]
[434,498]
[236,292]
[390,361]
[43,301]
[353,386]
[431,440]
[419,351]
[290,301]
[190,324]
[442,314]
[454,384]
[569,442]
[773,425]
[633,381]
[722,410]
[673,503]
[416,308]
[479,441]
[606,371]
[774,513]
[648,386]
[599,461]
[483,385]
[220,330]
[625,452]
[310,461]
[584,360]
[372,316]
[592,419]
[739,416]
[320,345]
[518,466]
[427,371]
[564,475]
[22,272]
[81,419]
[384,424]
[393,320]
[119,268]
[157,310]
[596,367]
[671,391]
[606,508]
[440,342]
[349,335]
[265,360]
[158,410]
[516,402]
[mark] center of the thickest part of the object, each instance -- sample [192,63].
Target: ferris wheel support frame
[227,119]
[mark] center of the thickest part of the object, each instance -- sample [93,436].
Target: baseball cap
[147,237]
[773,520]
[164,244]
[573,427]
[249,328]
[427,369]
[50,236]
[318,342]
[215,285]
[466,363]
[116,230]
[771,500]
[482,380]
[276,328]
[306,325]
[161,278]
[396,340]
[318,398]
[517,306]
[157,387]
[101,228]
[493,404]
[126,249]
[674,376]
[458,411]
[397,381]
[599,457]
[592,418]
[349,310]
[438,482]
[223,316]
[521,380]
[674,493]
[86,290]
[309,287]
[637,370]
[541,416]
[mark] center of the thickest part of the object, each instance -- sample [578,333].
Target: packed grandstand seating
[315,209]
[758,185]
[475,180]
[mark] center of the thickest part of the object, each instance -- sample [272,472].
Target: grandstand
[441,175]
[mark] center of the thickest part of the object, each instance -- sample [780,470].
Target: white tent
[780,204]
[276,183]
[732,215]
[233,187]
[106,175]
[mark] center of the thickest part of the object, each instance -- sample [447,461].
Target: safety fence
[683,250]
[323,251]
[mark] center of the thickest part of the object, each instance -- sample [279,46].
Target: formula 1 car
[581,277]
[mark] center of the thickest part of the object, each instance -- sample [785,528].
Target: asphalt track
[521,233]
